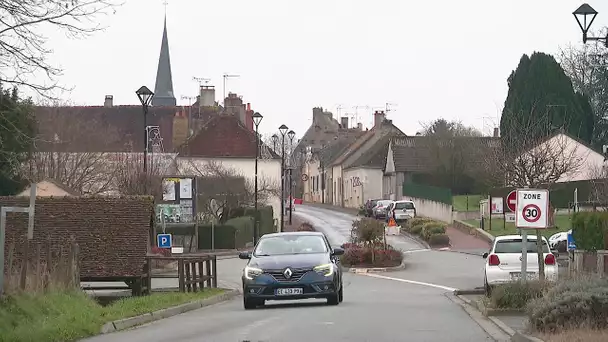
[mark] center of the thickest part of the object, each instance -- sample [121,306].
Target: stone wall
[113,233]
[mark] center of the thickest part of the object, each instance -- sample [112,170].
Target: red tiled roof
[221,136]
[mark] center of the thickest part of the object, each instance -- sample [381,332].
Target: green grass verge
[459,202]
[499,227]
[69,316]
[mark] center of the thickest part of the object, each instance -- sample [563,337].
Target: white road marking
[410,281]
[417,250]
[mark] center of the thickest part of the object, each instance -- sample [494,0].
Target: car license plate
[517,275]
[289,291]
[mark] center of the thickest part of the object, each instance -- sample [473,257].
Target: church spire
[163,90]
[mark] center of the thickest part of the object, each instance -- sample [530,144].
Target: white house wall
[269,170]
[360,185]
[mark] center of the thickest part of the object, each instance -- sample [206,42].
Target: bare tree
[587,67]
[599,186]
[228,187]
[130,178]
[24,45]
[533,161]
[74,152]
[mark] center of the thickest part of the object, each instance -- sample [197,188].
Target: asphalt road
[408,305]
[373,310]
[446,268]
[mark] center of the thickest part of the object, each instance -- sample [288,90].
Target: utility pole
[226,76]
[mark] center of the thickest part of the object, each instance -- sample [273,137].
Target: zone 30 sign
[532,208]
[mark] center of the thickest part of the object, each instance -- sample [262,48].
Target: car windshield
[404,205]
[372,203]
[383,203]
[515,246]
[290,244]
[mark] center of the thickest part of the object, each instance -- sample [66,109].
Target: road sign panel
[571,243]
[164,240]
[531,213]
[512,200]
[532,208]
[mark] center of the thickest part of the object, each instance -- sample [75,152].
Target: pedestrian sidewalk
[466,243]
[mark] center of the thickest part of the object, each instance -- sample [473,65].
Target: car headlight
[252,272]
[325,269]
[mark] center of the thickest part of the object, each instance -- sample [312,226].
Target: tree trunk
[541,258]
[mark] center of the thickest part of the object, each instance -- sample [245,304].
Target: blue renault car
[288,266]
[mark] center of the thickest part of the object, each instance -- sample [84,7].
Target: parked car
[503,261]
[379,211]
[403,210]
[557,241]
[288,266]
[369,207]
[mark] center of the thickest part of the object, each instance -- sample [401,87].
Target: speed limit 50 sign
[532,208]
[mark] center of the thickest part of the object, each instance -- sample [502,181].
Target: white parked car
[557,238]
[503,262]
[403,210]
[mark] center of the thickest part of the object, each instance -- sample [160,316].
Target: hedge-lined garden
[431,231]
[590,230]
[368,247]
[235,233]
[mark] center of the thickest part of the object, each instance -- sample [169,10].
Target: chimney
[379,117]
[360,126]
[109,102]
[206,97]
[344,121]
[496,132]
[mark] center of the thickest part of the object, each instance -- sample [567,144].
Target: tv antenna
[226,76]
[387,107]
[356,115]
[201,80]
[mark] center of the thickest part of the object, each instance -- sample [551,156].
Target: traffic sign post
[532,209]
[164,241]
[532,212]
[512,200]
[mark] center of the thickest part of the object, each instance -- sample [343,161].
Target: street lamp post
[145,96]
[283,129]
[257,118]
[291,134]
[585,15]
[275,139]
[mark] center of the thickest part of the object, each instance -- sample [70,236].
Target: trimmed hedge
[590,230]
[428,229]
[266,217]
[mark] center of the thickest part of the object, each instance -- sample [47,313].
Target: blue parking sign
[163,240]
[571,244]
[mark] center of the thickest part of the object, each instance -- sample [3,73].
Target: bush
[418,221]
[416,230]
[432,228]
[160,251]
[362,211]
[517,294]
[306,227]
[439,240]
[355,255]
[589,230]
[367,230]
[572,304]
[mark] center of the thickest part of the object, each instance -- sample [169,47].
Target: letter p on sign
[164,240]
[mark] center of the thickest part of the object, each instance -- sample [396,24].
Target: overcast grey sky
[441,58]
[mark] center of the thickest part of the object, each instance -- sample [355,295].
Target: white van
[403,210]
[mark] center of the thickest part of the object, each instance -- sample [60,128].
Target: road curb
[469,292]
[418,240]
[374,269]
[489,326]
[131,322]
[491,315]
